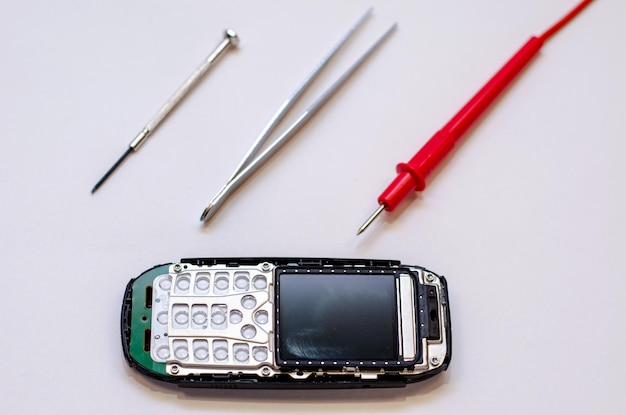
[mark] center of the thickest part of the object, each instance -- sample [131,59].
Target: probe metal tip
[371,219]
[112,169]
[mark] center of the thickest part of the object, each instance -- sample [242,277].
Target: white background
[526,219]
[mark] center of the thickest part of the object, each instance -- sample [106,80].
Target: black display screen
[326,317]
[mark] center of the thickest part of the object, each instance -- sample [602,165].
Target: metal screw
[174,369]
[177,268]
[266,371]
[434,361]
[265,266]
[430,277]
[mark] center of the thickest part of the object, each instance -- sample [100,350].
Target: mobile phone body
[287,323]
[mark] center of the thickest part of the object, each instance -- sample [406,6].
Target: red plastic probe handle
[412,175]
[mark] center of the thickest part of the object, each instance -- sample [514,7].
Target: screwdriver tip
[111,170]
[371,219]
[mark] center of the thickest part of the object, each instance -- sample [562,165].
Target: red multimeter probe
[412,175]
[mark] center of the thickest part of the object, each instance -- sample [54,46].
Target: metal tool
[250,164]
[412,175]
[230,39]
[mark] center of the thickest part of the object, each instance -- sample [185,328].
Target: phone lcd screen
[337,317]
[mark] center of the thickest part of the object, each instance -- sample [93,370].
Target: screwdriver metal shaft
[230,39]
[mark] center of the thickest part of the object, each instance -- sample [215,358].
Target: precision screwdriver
[412,175]
[230,39]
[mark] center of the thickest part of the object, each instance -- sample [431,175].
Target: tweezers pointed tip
[205,212]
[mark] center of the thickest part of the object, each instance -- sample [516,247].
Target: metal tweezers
[252,161]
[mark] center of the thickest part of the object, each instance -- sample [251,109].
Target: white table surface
[526,219]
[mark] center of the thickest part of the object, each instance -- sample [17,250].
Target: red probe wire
[412,175]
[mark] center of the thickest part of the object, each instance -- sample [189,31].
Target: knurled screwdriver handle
[230,38]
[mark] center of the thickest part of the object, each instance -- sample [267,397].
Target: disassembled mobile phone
[287,323]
